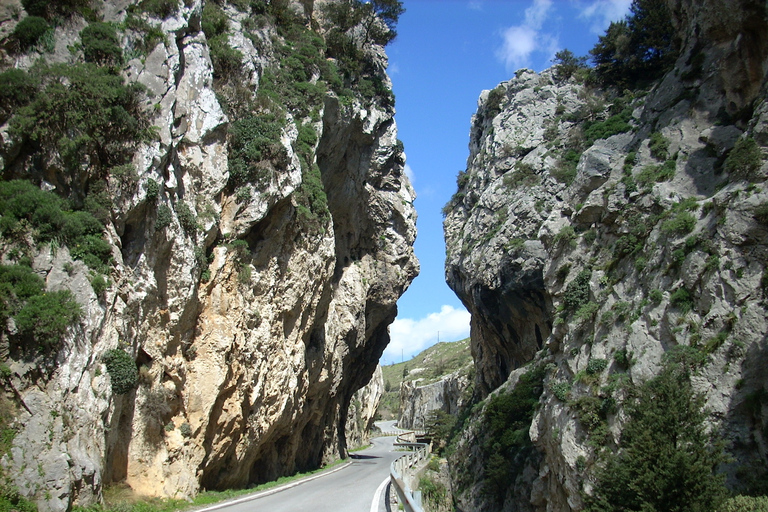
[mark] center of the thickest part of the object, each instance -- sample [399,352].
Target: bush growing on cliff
[42,318]
[253,140]
[122,369]
[439,426]
[667,460]
[82,113]
[508,418]
[577,292]
[27,210]
[744,160]
[29,31]
[159,8]
[101,44]
[47,8]
[567,64]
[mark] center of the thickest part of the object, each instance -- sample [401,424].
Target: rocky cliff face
[254,308]
[594,263]
[416,402]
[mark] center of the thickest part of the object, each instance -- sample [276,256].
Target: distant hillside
[427,366]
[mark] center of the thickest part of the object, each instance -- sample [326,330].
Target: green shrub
[29,31]
[227,62]
[745,504]
[101,44]
[83,113]
[657,173]
[47,9]
[23,206]
[656,296]
[627,244]
[561,390]
[507,418]
[99,284]
[715,342]
[433,492]
[760,213]
[311,198]
[614,125]
[523,176]
[587,311]
[659,146]
[14,502]
[253,140]
[153,190]
[680,224]
[305,142]
[164,217]
[682,300]
[566,235]
[623,358]
[187,218]
[160,8]
[566,168]
[151,34]
[122,369]
[592,412]
[745,159]
[42,318]
[577,292]
[16,88]
[46,317]
[214,21]
[185,429]
[596,366]
[667,459]
[493,104]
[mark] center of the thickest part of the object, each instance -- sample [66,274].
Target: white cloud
[521,41]
[409,173]
[600,13]
[475,5]
[536,14]
[409,337]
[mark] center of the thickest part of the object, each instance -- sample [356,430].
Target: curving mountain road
[352,487]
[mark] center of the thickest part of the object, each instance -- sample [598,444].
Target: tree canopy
[638,49]
[667,459]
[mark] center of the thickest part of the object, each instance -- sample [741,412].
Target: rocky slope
[255,305]
[440,377]
[594,263]
[416,402]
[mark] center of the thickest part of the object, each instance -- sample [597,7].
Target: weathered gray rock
[416,402]
[248,374]
[518,234]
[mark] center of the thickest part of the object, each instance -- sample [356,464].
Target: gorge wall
[259,231]
[593,231]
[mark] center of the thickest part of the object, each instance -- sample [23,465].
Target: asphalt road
[352,488]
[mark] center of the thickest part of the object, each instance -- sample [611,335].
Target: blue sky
[445,54]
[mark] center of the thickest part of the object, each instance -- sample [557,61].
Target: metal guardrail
[397,472]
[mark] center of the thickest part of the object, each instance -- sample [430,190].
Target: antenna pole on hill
[438,336]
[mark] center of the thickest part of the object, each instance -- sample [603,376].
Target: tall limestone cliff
[593,231]
[236,231]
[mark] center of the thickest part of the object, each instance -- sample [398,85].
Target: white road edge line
[377,496]
[272,491]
